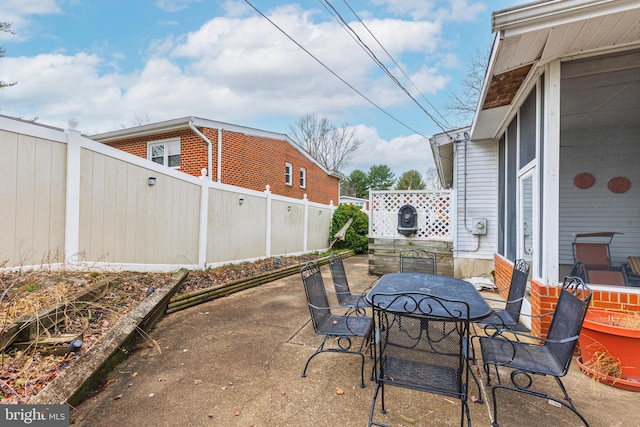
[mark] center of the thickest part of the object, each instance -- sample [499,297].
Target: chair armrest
[498,335]
[505,301]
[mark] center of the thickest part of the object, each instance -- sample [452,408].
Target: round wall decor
[619,184]
[584,180]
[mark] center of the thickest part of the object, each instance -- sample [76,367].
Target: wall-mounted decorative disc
[619,184]
[584,180]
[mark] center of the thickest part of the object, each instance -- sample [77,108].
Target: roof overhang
[443,146]
[530,36]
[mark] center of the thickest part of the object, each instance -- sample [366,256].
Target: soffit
[535,34]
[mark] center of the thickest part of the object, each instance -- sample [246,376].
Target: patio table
[432,284]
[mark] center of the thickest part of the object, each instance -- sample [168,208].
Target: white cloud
[399,154]
[232,69]
[174,5]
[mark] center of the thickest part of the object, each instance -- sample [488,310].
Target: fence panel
[433,208]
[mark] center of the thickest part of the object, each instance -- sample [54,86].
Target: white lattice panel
[433,208]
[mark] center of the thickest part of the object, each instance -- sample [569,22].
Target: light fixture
[240,201]
[151,181]
[288,208]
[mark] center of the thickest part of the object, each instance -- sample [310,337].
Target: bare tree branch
[331,146]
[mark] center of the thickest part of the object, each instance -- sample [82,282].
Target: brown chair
[592,259]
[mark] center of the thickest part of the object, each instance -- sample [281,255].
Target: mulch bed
[23,373]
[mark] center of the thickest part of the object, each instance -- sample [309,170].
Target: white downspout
[219,163]
[209,148]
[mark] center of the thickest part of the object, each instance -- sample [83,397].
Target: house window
[288,174]
[165,152]
[303,178]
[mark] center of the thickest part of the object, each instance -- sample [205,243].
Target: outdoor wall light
[288,208]
[151,181]
[240,201]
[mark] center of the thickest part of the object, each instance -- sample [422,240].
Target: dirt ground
[237,361]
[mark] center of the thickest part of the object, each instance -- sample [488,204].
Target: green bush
[356,236]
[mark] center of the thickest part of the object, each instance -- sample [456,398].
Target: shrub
[356,236]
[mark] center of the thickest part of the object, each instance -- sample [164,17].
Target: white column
[551,175]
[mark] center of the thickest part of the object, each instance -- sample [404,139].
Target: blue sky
[115,63]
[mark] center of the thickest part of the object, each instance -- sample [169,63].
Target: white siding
[605,154]
[480,182]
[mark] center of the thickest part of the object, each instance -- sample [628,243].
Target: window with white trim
[288,173]
[165,152]
[303,177]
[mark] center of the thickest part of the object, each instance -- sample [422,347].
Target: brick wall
[251,162]
[545,298]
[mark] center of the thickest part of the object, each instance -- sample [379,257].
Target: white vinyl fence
[67,201]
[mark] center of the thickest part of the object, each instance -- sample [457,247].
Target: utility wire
[333,72]
[372,55]
[398,65]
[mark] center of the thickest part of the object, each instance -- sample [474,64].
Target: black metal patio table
[440,286]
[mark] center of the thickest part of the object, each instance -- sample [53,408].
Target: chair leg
[566,403]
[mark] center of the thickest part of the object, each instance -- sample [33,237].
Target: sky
[113,64]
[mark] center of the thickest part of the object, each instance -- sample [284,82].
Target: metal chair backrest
[339,277]
[317,299]
[422,345]
[517,288]
[593,249]
[418,261]
[567,320]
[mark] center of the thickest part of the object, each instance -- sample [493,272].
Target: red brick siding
[247,161]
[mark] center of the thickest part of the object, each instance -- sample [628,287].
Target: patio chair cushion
[614,278]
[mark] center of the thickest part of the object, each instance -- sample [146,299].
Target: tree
[463,103]
[410,180]
[380,177]
[356,184]
[433,180]
[5,27]
[331,146]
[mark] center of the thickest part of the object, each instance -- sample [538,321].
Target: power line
[396,63]
[333,72]
[373,56]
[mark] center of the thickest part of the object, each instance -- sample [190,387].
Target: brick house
[230,154]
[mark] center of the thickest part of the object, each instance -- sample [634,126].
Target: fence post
[267,192]
[72,200]
[305,234]
[204,222]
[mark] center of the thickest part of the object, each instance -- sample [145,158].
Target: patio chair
[601,277]
[418,261]
[509,316]
[421,345]
[341,328]
[342,289]
[551,357]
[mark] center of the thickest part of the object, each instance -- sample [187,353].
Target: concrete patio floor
[237,361]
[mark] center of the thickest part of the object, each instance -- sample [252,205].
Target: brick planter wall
[545,298]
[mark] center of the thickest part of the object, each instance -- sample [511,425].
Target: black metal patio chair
[551,357]
[508,317]
[418,261]
[341,328]
[421,345]
[343,291]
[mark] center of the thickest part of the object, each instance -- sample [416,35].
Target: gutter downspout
[219,162]
[209,149]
